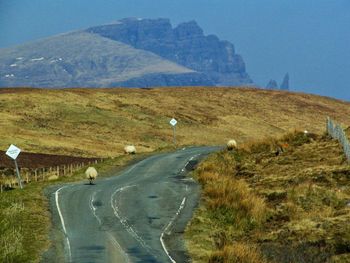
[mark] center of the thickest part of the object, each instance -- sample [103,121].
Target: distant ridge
[185,44]
[127,53]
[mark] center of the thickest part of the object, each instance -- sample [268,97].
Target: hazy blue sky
[310,39]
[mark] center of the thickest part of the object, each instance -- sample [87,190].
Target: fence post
[327,125]
[337,132]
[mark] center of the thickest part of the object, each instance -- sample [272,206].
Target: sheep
[278,151]
[91,174]
[130,149]
[231,144]
[281,149]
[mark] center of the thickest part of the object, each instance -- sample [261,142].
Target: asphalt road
[137,216]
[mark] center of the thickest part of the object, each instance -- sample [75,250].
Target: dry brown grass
[300,195]
[230,208]
[237,253]
[235,195]
[101,121]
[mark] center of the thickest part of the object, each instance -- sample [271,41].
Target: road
[137,216]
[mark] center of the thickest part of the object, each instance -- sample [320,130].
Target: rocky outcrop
[285,83]
[185,44]
[272,84]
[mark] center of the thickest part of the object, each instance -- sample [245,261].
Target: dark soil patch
[38,160]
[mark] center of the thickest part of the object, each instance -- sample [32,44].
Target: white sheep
[130,149]
[91,174]
[231,144]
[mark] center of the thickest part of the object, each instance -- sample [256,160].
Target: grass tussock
[237,253]
[276,200]
[227,195]
[236,202]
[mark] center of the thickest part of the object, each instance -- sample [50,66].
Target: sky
[309,39]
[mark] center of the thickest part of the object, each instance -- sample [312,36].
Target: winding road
[137,216]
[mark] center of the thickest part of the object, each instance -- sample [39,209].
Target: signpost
[173,123]
[13,153]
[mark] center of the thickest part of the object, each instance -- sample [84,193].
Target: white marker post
[13,152]
[173,123]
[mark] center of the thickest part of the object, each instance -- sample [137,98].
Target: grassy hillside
[267,207]
[99,122]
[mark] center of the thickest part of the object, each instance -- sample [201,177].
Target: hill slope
[89,60]
[263,207]
[99,122]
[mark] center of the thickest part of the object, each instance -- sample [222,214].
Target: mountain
[185,44]
[88,60]
[129,53]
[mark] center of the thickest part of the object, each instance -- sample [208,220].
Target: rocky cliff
[185,44]
[128,53]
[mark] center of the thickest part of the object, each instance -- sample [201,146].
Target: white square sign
[173,122]
[13,151]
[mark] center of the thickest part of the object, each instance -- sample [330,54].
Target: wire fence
[337,132]
[8,177]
